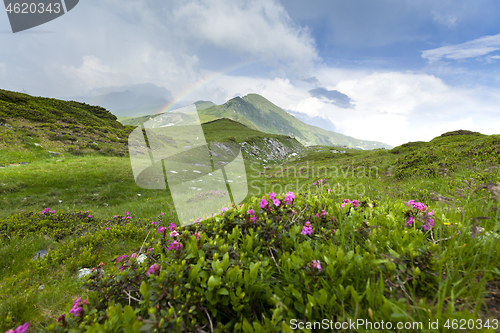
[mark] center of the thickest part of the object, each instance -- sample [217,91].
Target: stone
[40,254]
[83,272]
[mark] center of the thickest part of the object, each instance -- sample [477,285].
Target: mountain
[258,113]
[128,100]
[33,128]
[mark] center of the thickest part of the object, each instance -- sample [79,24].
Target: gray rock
[53,153]
[40,254]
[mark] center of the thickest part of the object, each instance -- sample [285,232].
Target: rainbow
[190,90]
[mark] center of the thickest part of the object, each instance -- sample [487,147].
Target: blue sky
[390,71]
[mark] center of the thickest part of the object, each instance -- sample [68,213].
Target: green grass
[374,267]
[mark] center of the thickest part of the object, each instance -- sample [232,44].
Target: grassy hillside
[258,113]
[407,236]
[33,128]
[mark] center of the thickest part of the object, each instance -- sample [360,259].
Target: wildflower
[307,229]
[150,249]
[251,212]
[272,195]
[345,202]
[253,219]
[417,205]
[89,216]
[120,258]
[107,228]
[316,264]
[161,214]
[429,225]
[263,203]
[276,202]
[323,212]
[172,226]
[154,269]
[76,310]
[355,203]
[174,246]
[410,221]
[197,235]
[115,216]
[317,215]
[289,197]
[20,328]
[53,212]
[126,213]
[154,222]
[161,229]
[224,209]
[174,234]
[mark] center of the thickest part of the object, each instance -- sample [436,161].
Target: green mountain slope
[258,113]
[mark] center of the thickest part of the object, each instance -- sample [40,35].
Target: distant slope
[257,112]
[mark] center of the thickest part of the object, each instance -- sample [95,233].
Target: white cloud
[259,28]
[470,49]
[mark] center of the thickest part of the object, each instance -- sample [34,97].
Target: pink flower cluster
[20,329]
[417,205]
[410,221]
[77,308]
[289,198]
[174,246]
[307,229]
[319,181]
[429,224]
[354,203]
[47,210]
[252,213]
[154,269]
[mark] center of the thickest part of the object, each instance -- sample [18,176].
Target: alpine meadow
[336,234]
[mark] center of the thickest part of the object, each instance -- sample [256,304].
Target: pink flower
[317,215]
[89,216]
[410,221]
[276,202]
[316,264]
[197,235]
[107,228]
[126,213]
[172,226]
[161,214]
[272,195]
[417,205]
[161,229]
[154,269]
[307,229]
[263,203]
[76,310]
[253,219]
[20,329]
[174,234]
[154,222]
[323,212]
[174,246]
[289,197]
[250,212]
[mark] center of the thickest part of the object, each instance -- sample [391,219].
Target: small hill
[37,127]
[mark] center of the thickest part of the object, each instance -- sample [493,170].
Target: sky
[393,71]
